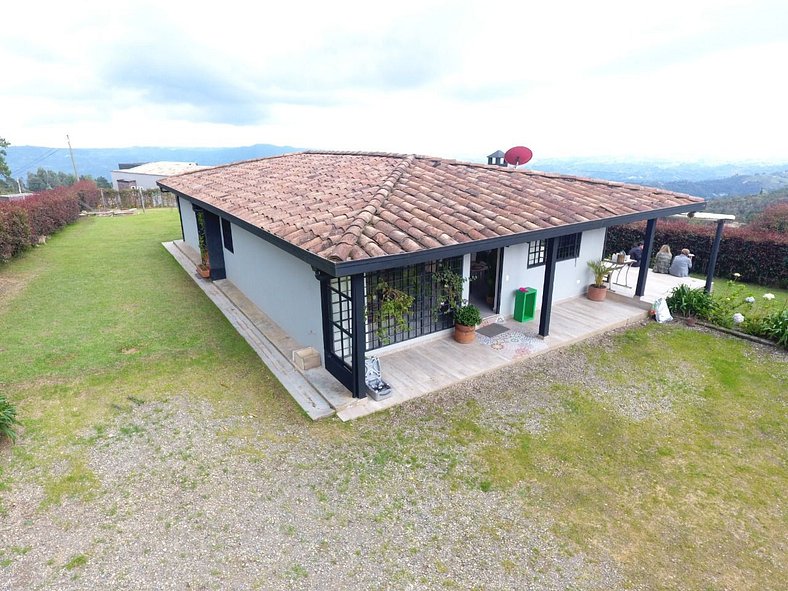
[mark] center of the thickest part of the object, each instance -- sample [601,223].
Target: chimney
[496,158]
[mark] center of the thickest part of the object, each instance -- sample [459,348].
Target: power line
[34,162]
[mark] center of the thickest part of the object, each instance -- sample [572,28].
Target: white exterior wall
[189,220]
[143,181]
[572,277]
[281,285]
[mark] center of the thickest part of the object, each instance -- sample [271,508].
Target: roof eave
[409,258]
[311,258]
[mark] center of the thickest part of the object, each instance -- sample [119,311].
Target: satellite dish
[518,155]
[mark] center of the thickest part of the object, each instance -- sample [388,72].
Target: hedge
[760,257]
[22,222]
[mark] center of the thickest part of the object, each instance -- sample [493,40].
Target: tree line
[42,179]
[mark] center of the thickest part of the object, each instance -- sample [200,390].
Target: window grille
[427,314]
[568,248]
[341,319]
[536,253]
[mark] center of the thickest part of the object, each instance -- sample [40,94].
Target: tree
[103,183]
[6,182]
[44,179]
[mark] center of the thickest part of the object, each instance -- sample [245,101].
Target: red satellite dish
[518,155]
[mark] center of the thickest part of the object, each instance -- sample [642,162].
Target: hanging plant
[395,305]
[450,286]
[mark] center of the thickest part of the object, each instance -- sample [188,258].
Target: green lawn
[663,450]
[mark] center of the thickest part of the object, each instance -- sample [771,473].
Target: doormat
[492,330]
[514,344]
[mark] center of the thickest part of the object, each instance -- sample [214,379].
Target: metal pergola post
[715,250]
[648,244]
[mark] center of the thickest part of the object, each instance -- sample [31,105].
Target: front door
[485,283]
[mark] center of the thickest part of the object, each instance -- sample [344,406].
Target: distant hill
[698,179]
[748,207]
[101,161]
[735,186]
[652,173]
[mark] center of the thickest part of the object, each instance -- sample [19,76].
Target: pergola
[648,243]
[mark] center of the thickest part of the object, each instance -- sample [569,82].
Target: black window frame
[568,248]
[536,253]
[227,235]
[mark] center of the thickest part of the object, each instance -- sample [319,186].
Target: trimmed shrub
[43,214]
[760,257]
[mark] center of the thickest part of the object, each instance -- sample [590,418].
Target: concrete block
[307,358]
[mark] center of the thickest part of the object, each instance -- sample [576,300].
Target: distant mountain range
[102,161]
[700,179]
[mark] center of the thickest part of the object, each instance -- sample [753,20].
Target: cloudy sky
[674,79]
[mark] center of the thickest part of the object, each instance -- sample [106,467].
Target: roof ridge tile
[366,215]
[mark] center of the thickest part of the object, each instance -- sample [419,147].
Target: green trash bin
[524,304]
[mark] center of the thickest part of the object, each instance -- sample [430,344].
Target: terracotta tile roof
[346,206]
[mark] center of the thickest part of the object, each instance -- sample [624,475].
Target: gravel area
[190,499]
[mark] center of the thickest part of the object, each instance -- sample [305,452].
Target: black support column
[551,252]
[359,335]
[648,244]
[715,250]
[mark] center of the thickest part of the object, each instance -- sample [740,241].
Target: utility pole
[74,164]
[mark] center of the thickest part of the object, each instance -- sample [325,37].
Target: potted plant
[597,291]
[466,318]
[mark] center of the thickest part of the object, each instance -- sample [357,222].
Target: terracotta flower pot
[597,294]
[204,271]
[464,334]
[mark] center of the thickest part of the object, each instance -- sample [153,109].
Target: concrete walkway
[415,369]
[316,391]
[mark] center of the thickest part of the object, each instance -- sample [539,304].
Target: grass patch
[692,495]
[78,482]
[104,320]
[76,561]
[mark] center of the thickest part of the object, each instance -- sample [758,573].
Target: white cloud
[677,79]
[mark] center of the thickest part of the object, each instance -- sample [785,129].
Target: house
[310,237]
[145,175]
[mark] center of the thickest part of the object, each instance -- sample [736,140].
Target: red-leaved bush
[772,219]
[22,222]
[760,257]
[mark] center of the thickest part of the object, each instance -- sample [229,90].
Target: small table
[617,268]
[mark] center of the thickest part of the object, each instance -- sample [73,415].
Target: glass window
[227,234]
[568,248]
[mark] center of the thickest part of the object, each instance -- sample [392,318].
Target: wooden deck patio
[433,363]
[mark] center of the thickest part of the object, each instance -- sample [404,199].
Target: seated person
[681,264]
[636,254]
[662,260]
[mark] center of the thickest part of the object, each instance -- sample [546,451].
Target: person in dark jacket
[636,254]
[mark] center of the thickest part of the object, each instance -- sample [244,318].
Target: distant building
[144,176]
[15,196]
